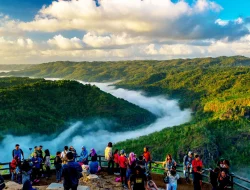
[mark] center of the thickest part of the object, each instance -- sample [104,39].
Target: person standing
[139,180]
[197,179]
[18,152]
[36,161]
[173,177]
[58,166]
[213,177]
[64,153]
[131,165]
[196,162]
[147,157]
[116,160]
[71,173]
[187,165]
[169,163]
[84,156]
[47,163]
[109,158]
[13,167]
[39,152]
[73,150]
[123,162]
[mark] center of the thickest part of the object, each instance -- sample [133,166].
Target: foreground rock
[13,185]
[59,186]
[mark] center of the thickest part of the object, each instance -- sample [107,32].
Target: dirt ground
[103,182]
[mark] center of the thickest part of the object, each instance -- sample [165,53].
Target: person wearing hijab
[93,164]
[84,156]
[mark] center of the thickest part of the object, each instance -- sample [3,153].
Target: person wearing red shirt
[146,154]
[197,177]
[196,162]
[123,162]
[116,159]
[147,157]
[13,166]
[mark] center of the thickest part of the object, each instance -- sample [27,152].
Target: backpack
[166,178]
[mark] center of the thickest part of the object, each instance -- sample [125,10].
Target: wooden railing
[240,180]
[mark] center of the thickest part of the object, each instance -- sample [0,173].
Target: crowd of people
[133,170]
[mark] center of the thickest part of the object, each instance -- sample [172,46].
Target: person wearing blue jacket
[36,165]
[71,173]
[84,156]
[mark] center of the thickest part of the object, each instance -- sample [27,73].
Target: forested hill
[128,70]
[219,85]
[217,90]
[40,106]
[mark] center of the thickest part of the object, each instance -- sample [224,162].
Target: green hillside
[40,106]
[216,89]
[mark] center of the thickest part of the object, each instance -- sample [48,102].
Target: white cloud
[98,41]
[16,51]
[239,20]
[122,30]
[65,43]
[152,18]
[150,50]
[9,27]
[222,22]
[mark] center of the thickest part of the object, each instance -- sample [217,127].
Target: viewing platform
[105,181]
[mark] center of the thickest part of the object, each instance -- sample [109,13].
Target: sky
[38,31]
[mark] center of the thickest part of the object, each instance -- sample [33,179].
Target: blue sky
[122,29]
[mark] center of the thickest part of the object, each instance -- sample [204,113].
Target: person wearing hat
[17,152]
[187,165]
[139,179]
[123,163]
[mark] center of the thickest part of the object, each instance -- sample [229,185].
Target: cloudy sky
[36,31]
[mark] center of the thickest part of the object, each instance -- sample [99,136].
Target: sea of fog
[167,111]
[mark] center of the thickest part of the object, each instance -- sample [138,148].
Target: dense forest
[217,90]
[40,106]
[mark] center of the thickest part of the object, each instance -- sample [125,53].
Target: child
[173,177]
[58,166]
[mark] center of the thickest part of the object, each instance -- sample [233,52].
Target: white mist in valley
[94,135]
